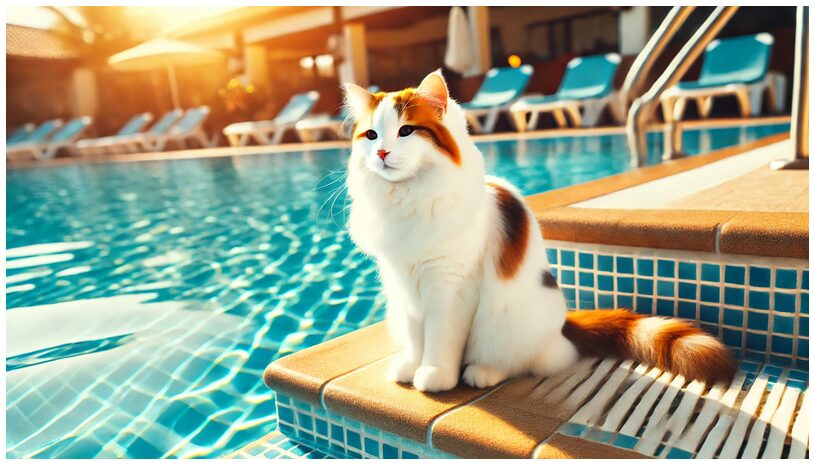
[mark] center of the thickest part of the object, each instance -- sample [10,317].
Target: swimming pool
[145,299]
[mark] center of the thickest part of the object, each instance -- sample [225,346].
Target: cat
[462,262]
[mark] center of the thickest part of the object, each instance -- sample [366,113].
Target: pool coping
[221,152]
[770,234]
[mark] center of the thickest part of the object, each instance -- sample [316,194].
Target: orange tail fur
[668,343]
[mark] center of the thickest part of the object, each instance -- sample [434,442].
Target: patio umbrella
[459,42]
[168,53]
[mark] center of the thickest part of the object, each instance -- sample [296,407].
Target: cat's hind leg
[556,354]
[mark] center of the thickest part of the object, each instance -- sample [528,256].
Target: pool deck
[343,144]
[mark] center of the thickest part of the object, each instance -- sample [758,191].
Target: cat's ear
[358,100]
[434,90]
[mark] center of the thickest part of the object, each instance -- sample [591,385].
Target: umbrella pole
[173,86]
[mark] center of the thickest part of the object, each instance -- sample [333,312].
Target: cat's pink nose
[383,153]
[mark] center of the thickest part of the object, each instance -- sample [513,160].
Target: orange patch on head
[425,118]
[515,226]
[375,100]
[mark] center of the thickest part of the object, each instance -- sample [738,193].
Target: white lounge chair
[586,89]
[736,66]
[272,131]
[500,88]
[101,145]
[189,127]
[37,135]
[20,134]
[63,138]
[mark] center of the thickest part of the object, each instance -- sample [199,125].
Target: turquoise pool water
[145,299]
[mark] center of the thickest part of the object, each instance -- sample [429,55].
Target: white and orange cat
[463,264]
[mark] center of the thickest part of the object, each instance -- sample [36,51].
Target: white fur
[434,229]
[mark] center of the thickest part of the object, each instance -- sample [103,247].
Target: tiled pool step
[600,408]
[276,445]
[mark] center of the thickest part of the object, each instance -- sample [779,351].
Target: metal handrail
[634,81]
[643,106]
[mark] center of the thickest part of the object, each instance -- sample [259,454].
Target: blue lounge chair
[587,86]
[64,138]
[272,131]
[309,129]
[103,144]
[189,127]
[500,88]
[40,134]
[20,134]
[736,66]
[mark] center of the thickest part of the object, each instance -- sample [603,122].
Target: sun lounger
[310,129]
[64,138]
[586,89]
[103,144]
[736,66]
[189,127]
[40,134]
[20,134]
[272,131]
[500,88]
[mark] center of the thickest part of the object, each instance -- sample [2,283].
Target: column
[634,29]
[354,68]
[479,24]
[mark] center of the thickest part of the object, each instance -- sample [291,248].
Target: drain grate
[763,413]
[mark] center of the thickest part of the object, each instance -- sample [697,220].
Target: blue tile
[586,260]
[804,302]
[687,270]
[644,305]
[286,429]
[389,452]
[285,414]
[666,288]
[567,257]
[566,277]
[785,302]
[570,293]
[733,296]
[734,274]
[337,433]
[283,399]
[665,307]
[804,283]
[758,321]
[408,455]
[733,317]
[783,324]
[786,362]
[710,314]
[305,421]
[760,276]
[624,301]
[604,282]
[802,348]
[785,278]
[604,263]
[756,342]
[711,272]
[644,266]
[686,310]
[710,294]
[354,440]
[605,300]
[676,453]
[371,447]
[624,284]
[353,454]
[306,436]
[624,265]
[321,427]
[687,290]
[586,279]
[644,286]
[586,300]
[782,345]
[302,405]
[803,325]
[759,300]
[732,337]
[551,255]
[625,442]
[666,268]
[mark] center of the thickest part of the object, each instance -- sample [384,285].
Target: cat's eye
[405,130]
[371,134]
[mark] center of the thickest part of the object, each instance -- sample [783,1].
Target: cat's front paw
[435,379]
[402,369]
[481,376]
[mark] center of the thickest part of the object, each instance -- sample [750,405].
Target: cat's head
[401,135]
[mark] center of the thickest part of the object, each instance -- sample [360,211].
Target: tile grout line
[428,439]
[335,378]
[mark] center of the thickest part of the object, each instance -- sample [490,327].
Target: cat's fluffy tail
[668,343]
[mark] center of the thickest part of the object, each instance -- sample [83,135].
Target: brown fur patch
[549,280]
[360,130]
[603,333]
[426,120]
[515,226]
